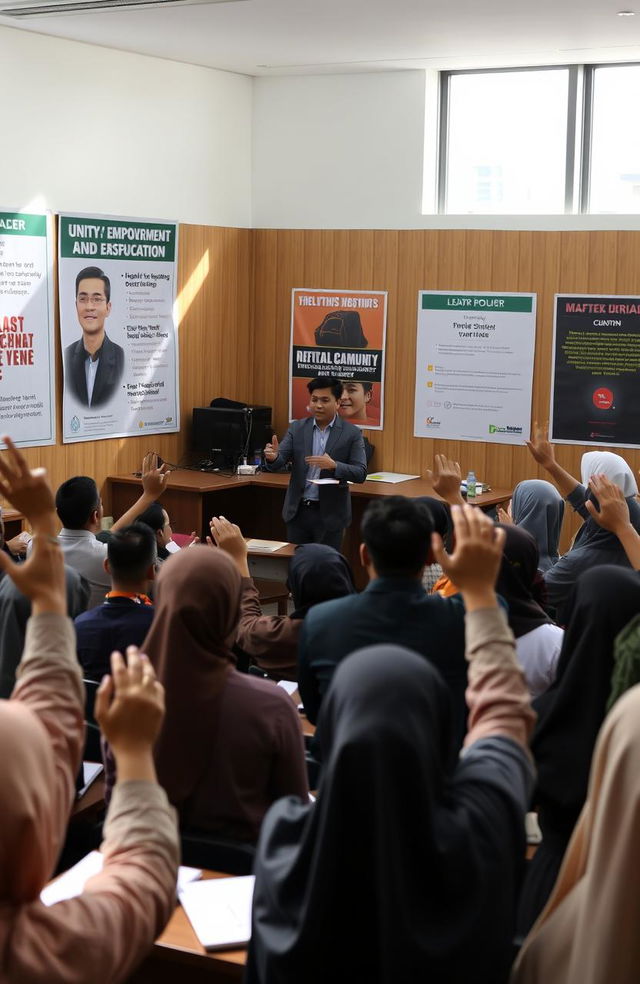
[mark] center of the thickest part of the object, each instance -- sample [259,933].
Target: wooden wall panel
[235,288]
[403,262]
[215,285]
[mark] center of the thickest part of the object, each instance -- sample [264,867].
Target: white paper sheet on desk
[72,882]
[266,546]
[219,909]
[324,481]
[392,477]
[289,685]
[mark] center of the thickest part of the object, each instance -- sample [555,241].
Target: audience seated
[538,508]
[316,573]
[588,932]
[570,714]
[124,617]
[593,545]
[406,867]
[15,548]
[393,608]
[441,515]
[538,640]
[158,519]
[15,609]
[231,743]
[102,935]
[79,508]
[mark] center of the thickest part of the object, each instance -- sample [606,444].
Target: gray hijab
[538,508]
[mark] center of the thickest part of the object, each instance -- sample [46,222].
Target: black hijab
[572,710]
[317,573]
[396,873]
[516,578]
[440,512]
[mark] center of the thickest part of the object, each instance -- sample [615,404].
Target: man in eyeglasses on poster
[94,364]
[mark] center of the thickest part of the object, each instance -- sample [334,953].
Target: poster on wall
[116,292]
[27,393]
[474,366]
[340,333]
[595,389]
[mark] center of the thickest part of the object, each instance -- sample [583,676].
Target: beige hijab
[29,842]
[589,932]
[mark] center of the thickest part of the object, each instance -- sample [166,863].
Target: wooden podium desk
[255,502]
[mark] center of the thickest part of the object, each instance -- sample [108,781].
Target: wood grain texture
[404,262]
[235,327]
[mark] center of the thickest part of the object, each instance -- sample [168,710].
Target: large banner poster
[595,392]
[117,287]
[27,394]
[474,368]
[340,333]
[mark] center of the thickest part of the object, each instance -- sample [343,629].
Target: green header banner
[477,302]
[111,239]
[22,224]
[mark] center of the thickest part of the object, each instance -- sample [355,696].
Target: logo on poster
[432,422]
[495,429]
[75,425]
[603,398]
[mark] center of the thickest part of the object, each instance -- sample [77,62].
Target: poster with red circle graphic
[595,389]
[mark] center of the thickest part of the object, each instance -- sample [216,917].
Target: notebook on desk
[219,910]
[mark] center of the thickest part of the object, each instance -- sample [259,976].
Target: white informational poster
[117,290]
[474,366]
[27,393]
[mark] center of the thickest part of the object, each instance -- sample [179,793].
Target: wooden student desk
[254,502]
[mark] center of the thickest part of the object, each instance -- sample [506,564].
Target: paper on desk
[289,685]
[219,909]
[392,477]
[324,481]
[72,882]
[267,546]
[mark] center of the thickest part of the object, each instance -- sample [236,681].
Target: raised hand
[154,477]
[271,450]
[28,491]
[614,510]
[540,446]
[229,538]
[129,705]
[474,564]
[504,515]
[445,479]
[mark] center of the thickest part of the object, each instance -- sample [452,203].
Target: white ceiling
[304,37]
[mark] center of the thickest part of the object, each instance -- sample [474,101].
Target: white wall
[338,151]
[91,129]
[348,151]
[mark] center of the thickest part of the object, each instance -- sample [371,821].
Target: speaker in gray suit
[320,446]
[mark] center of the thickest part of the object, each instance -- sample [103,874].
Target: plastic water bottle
[471,485]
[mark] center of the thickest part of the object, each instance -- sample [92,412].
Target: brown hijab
[189,644]
[29,843]
[588,932]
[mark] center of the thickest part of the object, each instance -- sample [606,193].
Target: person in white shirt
[79,509]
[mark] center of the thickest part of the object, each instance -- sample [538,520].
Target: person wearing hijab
[538,508]
[316,573]
[15,609]
[103,934]
[593,545]
[588,932]
[538,640]
[442,526]
[570,714]
[406,867]
[231,743]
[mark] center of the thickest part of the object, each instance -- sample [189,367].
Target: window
[539,140]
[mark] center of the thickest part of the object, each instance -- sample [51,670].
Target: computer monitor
[222,436]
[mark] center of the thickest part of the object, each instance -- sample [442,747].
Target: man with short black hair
[124,618]
[79,509]
[394,608]
[93,365]
[319,447]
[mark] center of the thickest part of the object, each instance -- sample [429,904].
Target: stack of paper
[219,909]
